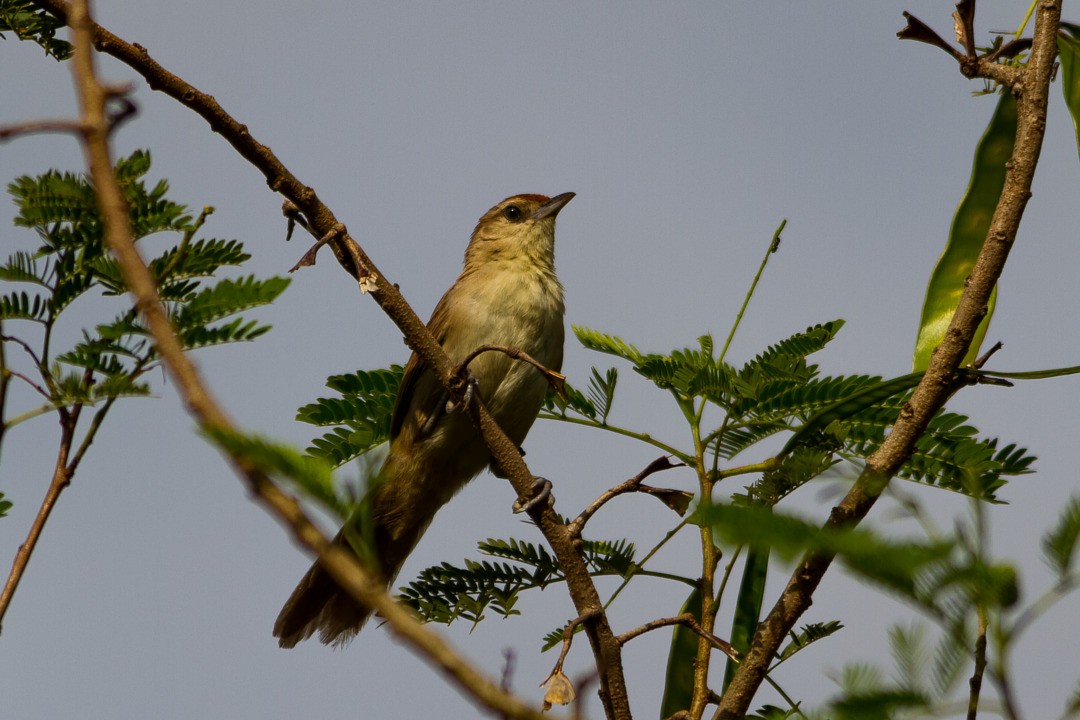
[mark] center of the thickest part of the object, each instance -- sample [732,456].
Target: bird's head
[520,228]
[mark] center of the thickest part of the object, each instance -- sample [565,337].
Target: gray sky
[688,131]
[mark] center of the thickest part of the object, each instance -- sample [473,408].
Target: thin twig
[975,682]
[5,381]
[631,485]
[60,480]
[37,388]
[688,620]
[774,245]
[938,383]
[24,345]
[556,380]
[35,127]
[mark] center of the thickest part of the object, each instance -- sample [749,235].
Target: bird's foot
[472,390]
[541,496]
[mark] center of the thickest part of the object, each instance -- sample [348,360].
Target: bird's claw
[541,496]
[472,386]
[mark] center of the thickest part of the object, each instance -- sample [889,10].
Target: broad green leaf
[1068,41]
[679,678]
[748,606]
[5,505]
[966,237]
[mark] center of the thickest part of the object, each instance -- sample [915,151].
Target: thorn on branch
[509,660]
[295,217]
[964,21]
[1010,49]
[123,108]
[988,354]
[309,257]
[916,29]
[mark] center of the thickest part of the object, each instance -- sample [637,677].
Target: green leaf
[238,330]
[1059,544]
[602,342]
[572,399]
[226,298]
[679,677]
[1068,41]
[363,413]
[28,22]
[893,564]
[312,475]
[787,358]
[747,606]
[5,505]
[23,267]
[862,399]
[22,306]
[807,635]
[602,391]
[966,237]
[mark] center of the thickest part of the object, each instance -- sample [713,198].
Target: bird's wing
[420,395]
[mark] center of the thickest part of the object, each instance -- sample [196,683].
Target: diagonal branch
[606,648]
[940,380]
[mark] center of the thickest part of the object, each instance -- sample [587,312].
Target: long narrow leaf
[748,606]
[966,237]
[679,678]
[1069,50]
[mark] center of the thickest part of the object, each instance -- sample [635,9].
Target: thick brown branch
[322,221]
[939,382]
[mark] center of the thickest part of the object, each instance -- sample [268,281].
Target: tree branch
[689,621]
[322,221]
[61,479]
[631,485]
[1032,87]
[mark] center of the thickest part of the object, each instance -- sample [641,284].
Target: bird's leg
[541,489]
[472,389]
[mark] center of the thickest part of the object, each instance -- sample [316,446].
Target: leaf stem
[774,245]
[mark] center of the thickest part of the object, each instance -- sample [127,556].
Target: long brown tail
[319,604]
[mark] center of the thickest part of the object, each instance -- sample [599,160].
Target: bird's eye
[513,213]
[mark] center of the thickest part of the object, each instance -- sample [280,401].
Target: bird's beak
[552,207]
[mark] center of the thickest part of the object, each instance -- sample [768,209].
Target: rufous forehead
[538,199]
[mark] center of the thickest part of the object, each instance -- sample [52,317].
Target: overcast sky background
[688,131]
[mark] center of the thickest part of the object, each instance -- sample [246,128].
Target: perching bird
[507,295]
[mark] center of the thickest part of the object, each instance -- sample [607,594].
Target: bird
[508,295]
